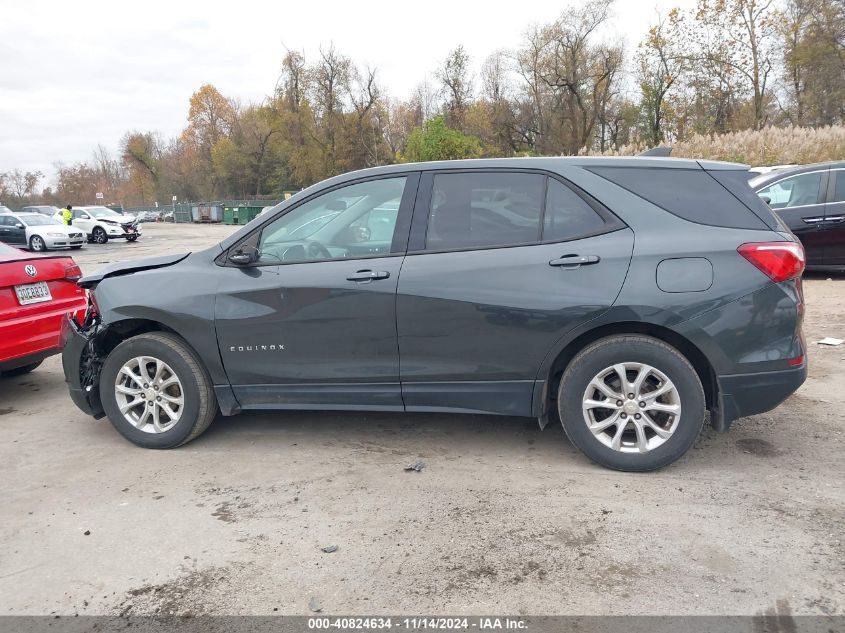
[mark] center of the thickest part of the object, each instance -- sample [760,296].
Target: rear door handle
[575,261]
[368,275]
[834,218]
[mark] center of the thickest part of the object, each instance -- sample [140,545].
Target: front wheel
[36,244]
[99,236]
[631,403]
[156,392]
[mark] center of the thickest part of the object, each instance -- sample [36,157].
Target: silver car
[38,232]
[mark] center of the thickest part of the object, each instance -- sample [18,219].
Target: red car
[35,294]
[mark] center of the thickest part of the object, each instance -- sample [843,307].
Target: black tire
[37,244]
[99,235]
[605,353]
[132,238]
[200,405]
[20,371]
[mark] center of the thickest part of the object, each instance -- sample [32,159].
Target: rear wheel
[36,244]
[99,236]
[156,392]
[631,403]
[20,371]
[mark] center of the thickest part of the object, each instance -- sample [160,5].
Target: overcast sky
[75,74]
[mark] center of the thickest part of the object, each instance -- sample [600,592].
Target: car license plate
[33,293]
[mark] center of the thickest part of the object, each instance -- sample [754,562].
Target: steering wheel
[318,251]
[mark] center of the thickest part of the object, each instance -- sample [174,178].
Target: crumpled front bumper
[82,363]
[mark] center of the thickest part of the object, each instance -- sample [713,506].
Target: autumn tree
[456,80]
[580,73]
[660,65]
[436,141]
[210,119]
[735,42]
[813,38]
[19,185]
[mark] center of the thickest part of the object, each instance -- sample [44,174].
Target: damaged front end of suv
[82,360]
[86,345]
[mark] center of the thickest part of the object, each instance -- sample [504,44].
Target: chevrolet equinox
[624,297]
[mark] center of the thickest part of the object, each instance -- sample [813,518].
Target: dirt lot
[504,518]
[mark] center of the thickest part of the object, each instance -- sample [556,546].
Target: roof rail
[661,152]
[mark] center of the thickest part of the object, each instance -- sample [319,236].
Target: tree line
[724,67]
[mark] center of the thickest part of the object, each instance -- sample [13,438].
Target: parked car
[38,232]
[4,209]
[811,201]
[42,209]
[101,224]
[148,216]
[36,293]
[624,296]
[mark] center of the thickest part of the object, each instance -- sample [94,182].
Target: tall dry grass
[770,146]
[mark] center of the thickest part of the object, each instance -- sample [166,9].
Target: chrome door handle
[812,220]
[575,261]
[368,275]
[835,218]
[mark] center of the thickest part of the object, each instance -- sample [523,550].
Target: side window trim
[403,221]
[833,179]
[419,222]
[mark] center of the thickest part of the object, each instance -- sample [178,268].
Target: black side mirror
[240,258]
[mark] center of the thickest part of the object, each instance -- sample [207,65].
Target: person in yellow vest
[67,215]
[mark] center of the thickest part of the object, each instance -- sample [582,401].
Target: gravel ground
[504,518]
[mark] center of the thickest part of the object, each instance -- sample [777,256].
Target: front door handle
[368,275]
[575,261]
[812,220]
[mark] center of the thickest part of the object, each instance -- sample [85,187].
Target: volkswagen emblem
[30,270]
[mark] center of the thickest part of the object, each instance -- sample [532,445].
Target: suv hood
[127,268]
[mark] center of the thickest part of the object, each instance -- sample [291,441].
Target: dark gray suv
[625,297]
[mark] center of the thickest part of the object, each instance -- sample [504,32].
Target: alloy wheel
[149,394]
[37,243]
[631,407]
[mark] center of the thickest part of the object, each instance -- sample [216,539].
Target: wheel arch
[552,375]
[115,332]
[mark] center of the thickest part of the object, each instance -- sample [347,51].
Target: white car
[38,232]
[101,224]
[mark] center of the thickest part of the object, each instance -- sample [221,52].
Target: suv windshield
[36,219]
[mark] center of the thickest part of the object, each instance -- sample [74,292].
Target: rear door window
[568,215]
[484,209]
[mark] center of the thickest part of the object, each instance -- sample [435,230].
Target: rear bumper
[749,394]
[81,367]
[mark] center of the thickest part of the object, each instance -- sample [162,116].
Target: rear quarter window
[692,194]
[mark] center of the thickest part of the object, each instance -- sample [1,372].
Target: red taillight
[73,272]
[779,261]
[796,362]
